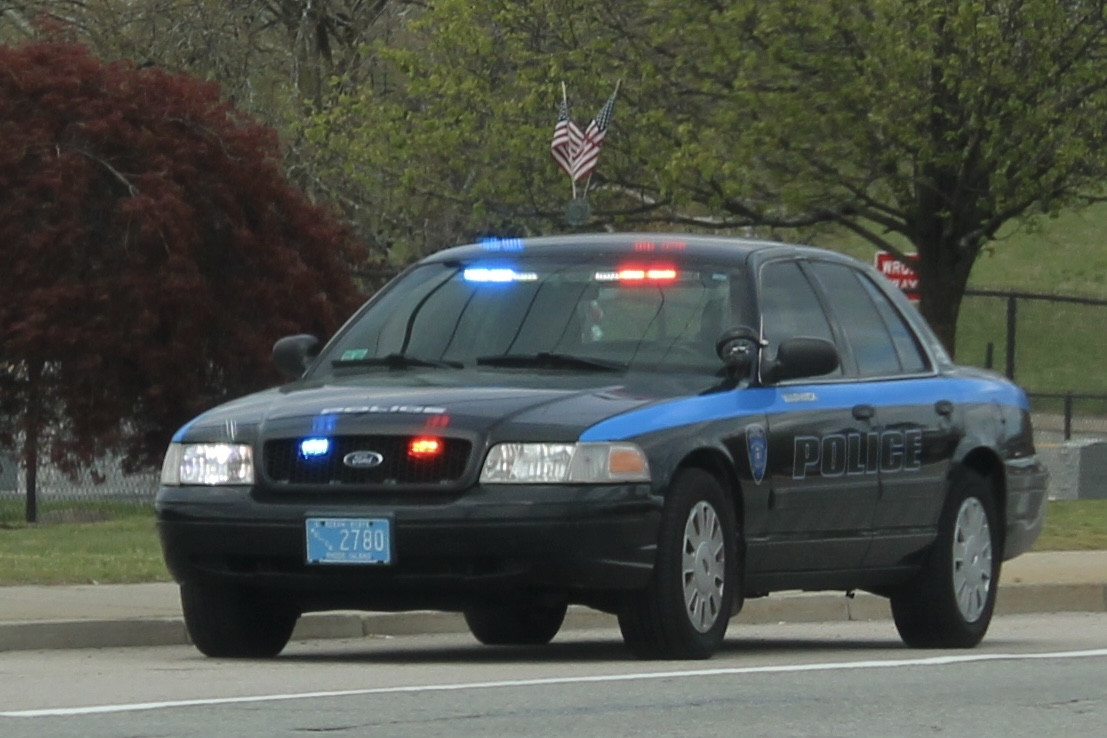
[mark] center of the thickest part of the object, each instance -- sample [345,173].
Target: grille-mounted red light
[425,447]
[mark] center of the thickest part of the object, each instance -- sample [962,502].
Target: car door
[824,487]
[914,420]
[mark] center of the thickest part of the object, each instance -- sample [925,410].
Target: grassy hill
[1065,255]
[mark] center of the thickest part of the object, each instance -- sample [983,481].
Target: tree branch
[132,189]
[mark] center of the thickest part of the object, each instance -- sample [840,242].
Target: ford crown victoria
[657,426]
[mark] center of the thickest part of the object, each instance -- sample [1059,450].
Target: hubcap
[972,559]
[703,567]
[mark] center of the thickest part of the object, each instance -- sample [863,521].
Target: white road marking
[640,676]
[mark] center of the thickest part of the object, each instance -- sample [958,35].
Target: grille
[285,465]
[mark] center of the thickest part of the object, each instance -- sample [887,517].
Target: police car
[656,426]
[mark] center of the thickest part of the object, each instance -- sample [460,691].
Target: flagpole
[565,101]
[588,182]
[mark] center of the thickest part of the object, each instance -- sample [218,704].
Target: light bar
[635,274]
[498,275]
[492,243]
[652,246]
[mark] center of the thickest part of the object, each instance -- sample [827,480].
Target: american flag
[566,138]
[589,150]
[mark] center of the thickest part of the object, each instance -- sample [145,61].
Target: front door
[824,483]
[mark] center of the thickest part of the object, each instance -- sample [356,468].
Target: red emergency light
[636,274]
[425,447]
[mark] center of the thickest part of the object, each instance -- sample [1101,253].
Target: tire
[230,622]
[515,624]
[950,603]
[683,611]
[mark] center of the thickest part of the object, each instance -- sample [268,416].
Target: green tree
[924,126]
[153,250]
[270,56]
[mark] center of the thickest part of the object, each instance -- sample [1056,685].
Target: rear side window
[911,355]
[866,329]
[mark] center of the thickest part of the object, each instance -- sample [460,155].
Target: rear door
[914,416]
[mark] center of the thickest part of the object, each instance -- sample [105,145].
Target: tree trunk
[32,478]
[32,433]
[943,270]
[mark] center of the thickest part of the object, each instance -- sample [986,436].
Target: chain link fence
[1052,345]
[93,494]
[1069,415]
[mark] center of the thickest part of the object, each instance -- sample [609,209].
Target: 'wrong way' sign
[902,275]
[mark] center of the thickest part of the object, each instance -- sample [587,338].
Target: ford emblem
[362,459]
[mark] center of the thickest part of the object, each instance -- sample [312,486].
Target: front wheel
[231,622]
[683,611]
[950,603]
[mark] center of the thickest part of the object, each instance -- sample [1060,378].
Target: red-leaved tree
[151,251]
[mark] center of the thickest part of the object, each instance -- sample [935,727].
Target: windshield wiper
[545,360]
[398,361]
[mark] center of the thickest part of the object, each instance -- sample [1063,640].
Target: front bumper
[1027,492]
[497,540]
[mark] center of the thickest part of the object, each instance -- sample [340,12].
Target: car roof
[724,249]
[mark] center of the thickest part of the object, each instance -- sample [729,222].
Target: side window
[789,306]
[860,319]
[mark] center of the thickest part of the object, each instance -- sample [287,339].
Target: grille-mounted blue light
[311,448]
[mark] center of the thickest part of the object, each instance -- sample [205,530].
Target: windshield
[531,313]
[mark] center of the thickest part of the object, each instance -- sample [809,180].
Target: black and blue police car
[654,425]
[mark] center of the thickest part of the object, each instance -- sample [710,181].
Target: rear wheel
[684,610]
[231,622]
[950,603]
[515,624]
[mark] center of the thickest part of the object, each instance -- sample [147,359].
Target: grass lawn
[87,545]
[125,549]
[1074,525]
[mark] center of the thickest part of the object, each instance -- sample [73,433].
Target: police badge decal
[757,444]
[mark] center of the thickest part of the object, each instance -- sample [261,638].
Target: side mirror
[801,357]
[292,354]
[738,348]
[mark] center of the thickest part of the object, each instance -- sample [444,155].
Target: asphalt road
[1035,675]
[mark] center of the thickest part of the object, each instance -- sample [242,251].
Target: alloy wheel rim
[703,567]
[972,560]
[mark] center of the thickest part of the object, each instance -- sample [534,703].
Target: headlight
[208,463]
[565,463]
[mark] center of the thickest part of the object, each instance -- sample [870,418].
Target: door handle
[943,407]
[864,412]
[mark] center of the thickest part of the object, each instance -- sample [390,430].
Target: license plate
[349,540]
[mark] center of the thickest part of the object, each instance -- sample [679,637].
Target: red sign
[901,275]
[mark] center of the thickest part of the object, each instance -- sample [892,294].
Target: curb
[1016,599]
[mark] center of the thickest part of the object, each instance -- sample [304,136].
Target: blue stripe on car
[799,398]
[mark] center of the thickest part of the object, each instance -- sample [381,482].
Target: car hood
[519,407]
